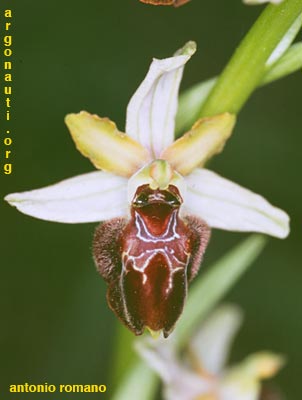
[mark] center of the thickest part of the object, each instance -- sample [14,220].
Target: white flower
[202,373]
[155,198]
[147,154]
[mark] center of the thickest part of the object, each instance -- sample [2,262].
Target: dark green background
[91,55]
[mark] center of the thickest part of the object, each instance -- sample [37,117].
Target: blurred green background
[91,55]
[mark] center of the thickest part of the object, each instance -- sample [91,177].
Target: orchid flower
[201,374]
[157,200]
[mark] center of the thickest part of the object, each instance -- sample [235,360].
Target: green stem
[192,99]
[247,66]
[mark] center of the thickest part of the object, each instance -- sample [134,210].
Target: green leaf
[123,354]
[212,286]
[290,62]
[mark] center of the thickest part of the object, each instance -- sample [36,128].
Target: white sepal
[179,382]
[91,197]
[152,109]
[211,345]
[226,205]
[233,390]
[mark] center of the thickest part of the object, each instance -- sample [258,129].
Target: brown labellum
[175,3]
[148,260]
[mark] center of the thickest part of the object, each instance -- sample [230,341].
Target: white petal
[91,197]
[240,391]
[212,343]
[226,205]
[180,383]
[152,109]
[188,386]
[159,356]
